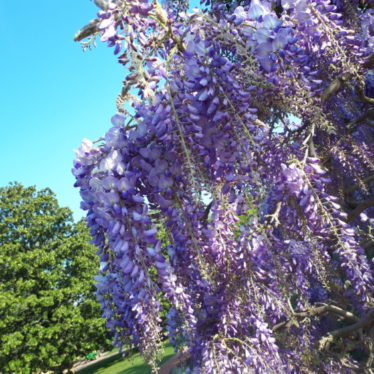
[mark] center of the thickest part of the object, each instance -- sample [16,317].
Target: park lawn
[129,365]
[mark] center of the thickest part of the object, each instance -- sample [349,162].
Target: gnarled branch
[316,311]
[347,330]
[361,94]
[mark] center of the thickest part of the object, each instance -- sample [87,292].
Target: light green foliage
[48,312]
[245,219]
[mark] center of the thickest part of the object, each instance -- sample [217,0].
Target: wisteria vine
[247,130]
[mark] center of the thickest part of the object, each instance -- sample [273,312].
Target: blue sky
[52,94]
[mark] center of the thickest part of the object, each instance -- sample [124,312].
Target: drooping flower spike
[250,140]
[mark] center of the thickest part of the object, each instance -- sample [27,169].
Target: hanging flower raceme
[267,266]
[325,219]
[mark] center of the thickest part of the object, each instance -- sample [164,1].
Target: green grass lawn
[119,365]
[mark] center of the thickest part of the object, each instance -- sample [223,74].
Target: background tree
[48,312]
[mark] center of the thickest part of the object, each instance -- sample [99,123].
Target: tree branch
[348,330]
[369,63]
[365,119]
[91,28]
[178,359]
[316,311]
[334,86]
[360,207]
[370,348]
[296,131]
[350,189]
[102,4]
[258,122]
[88,30]
[204,218]
[356,203]
[312,148]
[361,94]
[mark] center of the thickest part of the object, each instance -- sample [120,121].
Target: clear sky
[52,94]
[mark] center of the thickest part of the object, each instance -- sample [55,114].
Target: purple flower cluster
[325,220]
[251,144]
[266,35]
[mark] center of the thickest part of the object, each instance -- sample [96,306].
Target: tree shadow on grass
[105,363]
[117,359]
[143,369]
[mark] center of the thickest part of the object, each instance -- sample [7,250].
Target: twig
[102,4]
[88,30]
[204,218]
[274,218]
[299,129]
[258,122]
[91,28]
[312,148]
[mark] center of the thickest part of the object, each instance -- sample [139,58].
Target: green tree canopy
[49,315]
